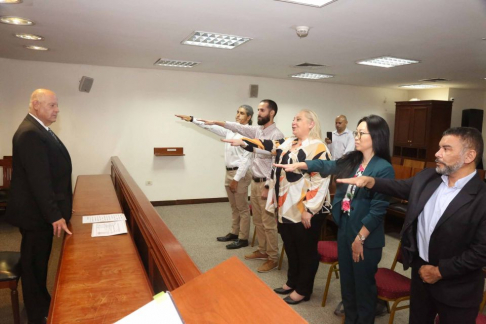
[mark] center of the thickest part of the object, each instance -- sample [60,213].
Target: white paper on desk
[160,310]
[103,218]
[108,229]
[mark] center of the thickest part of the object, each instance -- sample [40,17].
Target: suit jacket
[458,243]
[41,189]
[368,208]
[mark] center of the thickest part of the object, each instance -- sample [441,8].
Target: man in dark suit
[40,202]
[444,233]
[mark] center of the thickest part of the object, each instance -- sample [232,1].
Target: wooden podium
[231,293]
[103,279]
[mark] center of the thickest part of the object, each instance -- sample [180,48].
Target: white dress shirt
[234,156]
[40,122]
[341,143]
[434,209]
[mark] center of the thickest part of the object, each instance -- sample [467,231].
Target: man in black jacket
[444,233]
[40,202]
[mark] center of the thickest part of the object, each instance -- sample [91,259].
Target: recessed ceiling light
[312,3]
[176,63]
[16,21]
[387,61]
[200,38]
[29,37]
[37,48]
[10,1]
[312,76]
[419,86]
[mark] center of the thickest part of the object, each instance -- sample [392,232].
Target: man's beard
[449,169]
[263,120]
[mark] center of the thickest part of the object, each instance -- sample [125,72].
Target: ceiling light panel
[312,76]
[36,48]
[419,86]
[176,63]
[206,39]
[29,37]
[10,1]
[387,62]
[16,21]
[312,3]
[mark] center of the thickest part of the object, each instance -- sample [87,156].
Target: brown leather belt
[231,169]
[259,179]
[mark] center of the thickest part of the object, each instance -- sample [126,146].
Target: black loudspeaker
[472,118]
[85,84]
[253,90]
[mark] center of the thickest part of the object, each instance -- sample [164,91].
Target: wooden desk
[231,293]
[101,279]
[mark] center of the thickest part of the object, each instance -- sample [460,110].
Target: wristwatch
[361,238]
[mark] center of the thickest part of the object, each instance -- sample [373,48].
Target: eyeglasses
[359,134]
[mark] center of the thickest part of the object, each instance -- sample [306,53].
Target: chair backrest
[396,160]
[6,165]
[414,163]
[398,256]
[402,172]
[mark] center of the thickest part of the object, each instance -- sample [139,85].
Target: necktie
[53,135]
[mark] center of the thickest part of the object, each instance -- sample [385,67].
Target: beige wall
[130,111]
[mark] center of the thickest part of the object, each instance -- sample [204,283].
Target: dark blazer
[41,189]
[458,243]
[368,208]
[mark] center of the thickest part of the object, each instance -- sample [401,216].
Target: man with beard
[444,233]
[264,221]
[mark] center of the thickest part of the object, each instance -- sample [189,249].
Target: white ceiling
[445,35]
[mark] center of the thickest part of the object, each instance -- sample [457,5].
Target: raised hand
[360,182]
[234,141]
[184,117]
[292,167]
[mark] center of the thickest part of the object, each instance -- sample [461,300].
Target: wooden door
[403,119]
[419,127]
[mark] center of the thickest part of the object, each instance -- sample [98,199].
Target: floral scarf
[346,203]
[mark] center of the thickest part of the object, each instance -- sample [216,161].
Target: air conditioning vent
[434,80]
[309,65]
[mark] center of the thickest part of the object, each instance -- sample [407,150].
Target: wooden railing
[167,264]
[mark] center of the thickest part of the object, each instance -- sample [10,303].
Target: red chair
[329,255]
[393,286]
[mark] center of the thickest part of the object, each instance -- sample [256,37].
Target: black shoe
[290,301]
[283,291]
[237,244]
[228,237]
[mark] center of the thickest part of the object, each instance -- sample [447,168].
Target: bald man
[342,139]
[40,201]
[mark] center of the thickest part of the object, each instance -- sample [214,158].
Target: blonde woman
[300,199]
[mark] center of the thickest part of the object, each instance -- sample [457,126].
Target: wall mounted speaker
[472,118]
[253,90]
[85,84]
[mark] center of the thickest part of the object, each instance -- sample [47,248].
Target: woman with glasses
[300,199]
[359,214]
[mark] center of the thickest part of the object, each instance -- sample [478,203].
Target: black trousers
[301,248]
[35,250]
[358,285]
[424,308]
